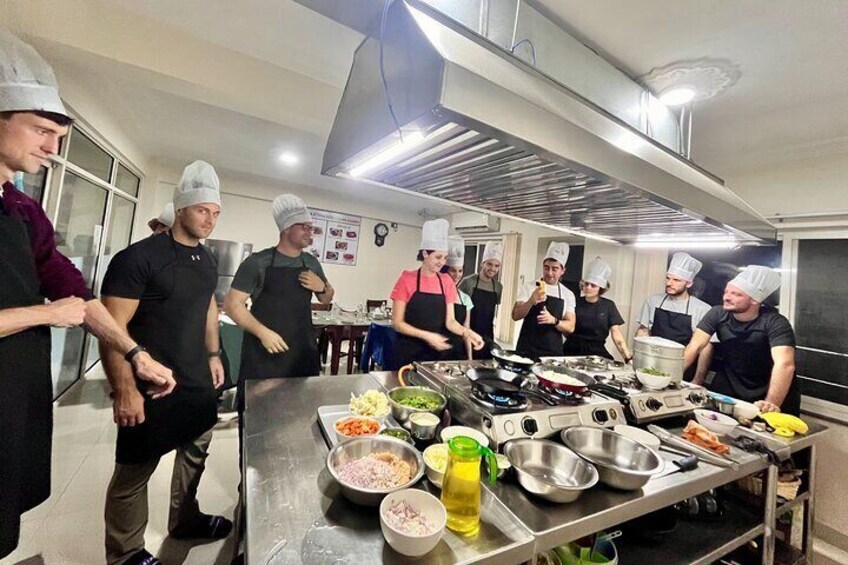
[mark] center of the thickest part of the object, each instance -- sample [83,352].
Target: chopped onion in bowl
[405,518]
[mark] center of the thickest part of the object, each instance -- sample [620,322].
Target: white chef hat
[558,250]
[289,210]
[684,266]
[456,251]
[493,251]
[434,235]
[167,215]
[198,185]
[757,282]
[598,273]
[27,82]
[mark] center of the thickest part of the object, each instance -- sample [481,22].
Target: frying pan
[500,356]
[500,382]
[582,389]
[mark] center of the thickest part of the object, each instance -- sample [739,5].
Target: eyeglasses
[306,227]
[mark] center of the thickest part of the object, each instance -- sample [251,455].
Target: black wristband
[133,352]
[214,354]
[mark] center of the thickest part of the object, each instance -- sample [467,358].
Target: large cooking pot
[650,352]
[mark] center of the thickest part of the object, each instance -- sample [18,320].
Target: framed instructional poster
[335,237]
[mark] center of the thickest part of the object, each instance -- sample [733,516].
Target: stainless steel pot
[549,470]
[621,462]
[659,353]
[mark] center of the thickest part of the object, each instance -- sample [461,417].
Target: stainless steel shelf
[787,506]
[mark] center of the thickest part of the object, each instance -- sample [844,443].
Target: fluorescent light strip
[686,244]
[410,141]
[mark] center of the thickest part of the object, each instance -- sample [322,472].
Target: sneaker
[206,527]
[143,558]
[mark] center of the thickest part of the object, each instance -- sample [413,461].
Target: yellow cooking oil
[461,485]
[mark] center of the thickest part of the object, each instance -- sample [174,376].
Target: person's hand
[217,368]
[272,342]
[437,341]
[766,406]
[67,312]
[477,342]
[539,295]
[546,317]
[311,281]
[128,408]
[160,377]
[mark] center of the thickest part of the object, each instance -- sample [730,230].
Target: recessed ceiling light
[677,96]
[289,159]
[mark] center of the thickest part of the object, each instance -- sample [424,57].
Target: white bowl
[434,475]
[653,382]
[453,431]
[745,410]
[638,434]
[341,437]
[412,545]
[716,422]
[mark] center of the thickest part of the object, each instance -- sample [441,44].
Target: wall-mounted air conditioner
[475,222]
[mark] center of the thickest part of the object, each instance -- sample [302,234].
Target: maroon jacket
[59,278]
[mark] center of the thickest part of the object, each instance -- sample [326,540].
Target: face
[455,273]
[735,300]
[299,235]
[552,271]
[199,220]
[27,141]
[434,261]
[675,286]
[591,290]
[490,268]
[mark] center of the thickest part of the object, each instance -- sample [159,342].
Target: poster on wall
[335,237]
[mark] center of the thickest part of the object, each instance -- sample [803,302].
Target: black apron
[26,389]
[483,318]
[672,325]
[427,312]
[590,331]
[745,370]
[460,311]
[542,340]
[283,306]
[173,330]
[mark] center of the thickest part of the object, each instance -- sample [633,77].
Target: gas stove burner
[566,398]
[499,403]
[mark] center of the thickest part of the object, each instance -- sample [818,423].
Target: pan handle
[543,397]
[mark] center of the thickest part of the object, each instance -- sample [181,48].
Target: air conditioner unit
[475,222]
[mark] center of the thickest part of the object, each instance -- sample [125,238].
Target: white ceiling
[236,82]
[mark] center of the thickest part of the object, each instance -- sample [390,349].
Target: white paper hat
[558,250]
[167,215]
[434,235]
[27,82]
[598,273]
[288,210]
[493,251]
[757,282]
[198,185]
[684,266]
[456,251]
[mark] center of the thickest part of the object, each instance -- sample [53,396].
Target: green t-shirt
[251,273]
[467,285]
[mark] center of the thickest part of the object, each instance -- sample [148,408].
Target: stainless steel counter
[295,513]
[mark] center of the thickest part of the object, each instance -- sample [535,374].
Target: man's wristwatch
[214,354]
[132,353]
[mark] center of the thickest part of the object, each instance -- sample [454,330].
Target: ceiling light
[410,141]
[677,96]
[289,159]
[655,243]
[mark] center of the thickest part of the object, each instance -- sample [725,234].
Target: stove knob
[509,428]
[654,404]
[697,398]
[529,426]
[600,416]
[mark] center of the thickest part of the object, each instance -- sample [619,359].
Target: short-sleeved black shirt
[594,319]
[770,326]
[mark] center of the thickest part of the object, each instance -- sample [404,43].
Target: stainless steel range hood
[485,130]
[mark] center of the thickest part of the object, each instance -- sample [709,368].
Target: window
[127,181]
[87,155]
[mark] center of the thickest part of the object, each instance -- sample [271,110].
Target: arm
[322,289]
[213,344]
[700,339]
[704,361]
[567,324]
[468,345]
[64,313]
[128,404]
[781,378]
[620,342]
[522,308]
[464,332]
[326,297]
[235,303]
[114,336]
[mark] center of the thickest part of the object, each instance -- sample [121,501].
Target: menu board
[335,237]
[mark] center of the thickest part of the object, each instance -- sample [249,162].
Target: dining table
[339,326]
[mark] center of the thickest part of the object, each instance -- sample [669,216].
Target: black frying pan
[500,382]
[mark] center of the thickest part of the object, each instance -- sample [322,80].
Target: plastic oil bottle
[461,485]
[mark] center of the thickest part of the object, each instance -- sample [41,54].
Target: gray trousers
[126,499]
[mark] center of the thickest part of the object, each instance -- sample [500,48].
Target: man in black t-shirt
[757,344]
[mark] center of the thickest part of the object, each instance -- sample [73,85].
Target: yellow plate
[783,432]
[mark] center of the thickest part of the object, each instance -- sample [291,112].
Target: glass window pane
[84,153]
[34,184]
[127,181]
[79,224]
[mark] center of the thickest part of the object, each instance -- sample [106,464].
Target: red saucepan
[564,375]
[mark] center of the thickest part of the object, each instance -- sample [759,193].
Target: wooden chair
[371,305]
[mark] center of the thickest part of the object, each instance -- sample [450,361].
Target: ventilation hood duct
[485,130]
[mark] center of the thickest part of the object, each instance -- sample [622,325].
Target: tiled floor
[68,528]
